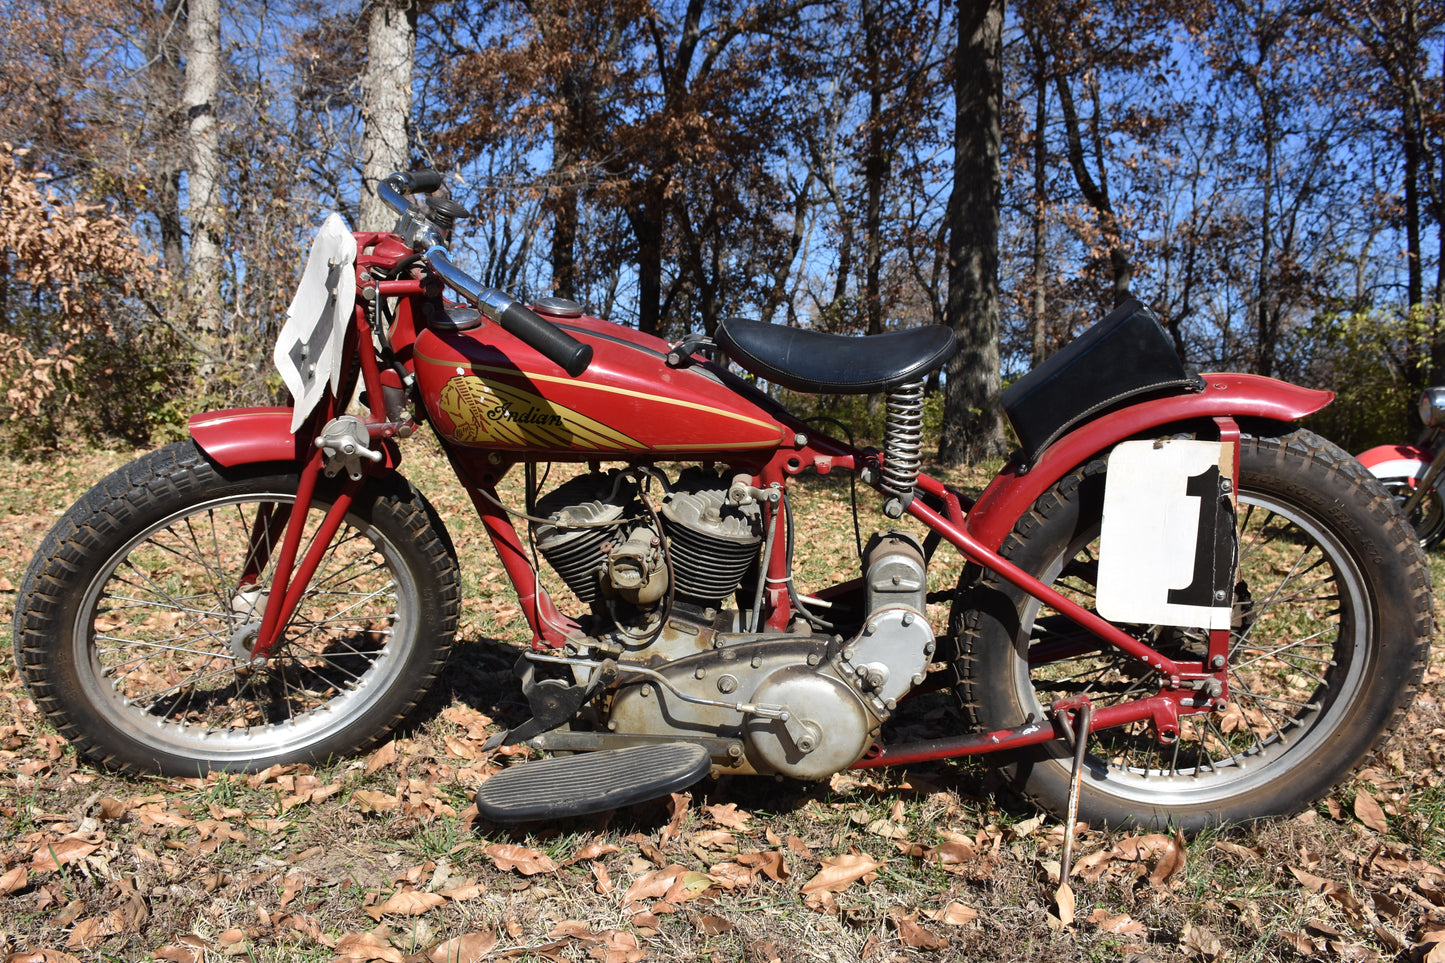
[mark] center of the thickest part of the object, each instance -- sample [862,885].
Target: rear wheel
[1331,633]
[135,622]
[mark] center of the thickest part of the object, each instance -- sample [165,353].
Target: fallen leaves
[911,933]
[728,816]
[954,914]
[1160,857]
[1117,924]
[373,801]
[14,880]
[407,903]
[467,948]
[41,956]
[769,863]
[519,859]
[1064,906]
[67,849]
[367,947]
[1200,942]
[837,874]
[670,886]
[1368,811]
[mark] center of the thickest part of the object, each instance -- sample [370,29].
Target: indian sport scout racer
[1177,606]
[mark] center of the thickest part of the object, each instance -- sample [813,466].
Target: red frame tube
[980,554]
[1031,734]
[550,627]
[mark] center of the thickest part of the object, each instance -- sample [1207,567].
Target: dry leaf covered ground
[384,858]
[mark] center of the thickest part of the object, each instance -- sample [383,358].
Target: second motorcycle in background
[1413,474]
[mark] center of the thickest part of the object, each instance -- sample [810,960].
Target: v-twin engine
[658,579]
[606,539]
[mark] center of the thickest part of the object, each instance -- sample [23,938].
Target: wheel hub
[243,641]
[246,608]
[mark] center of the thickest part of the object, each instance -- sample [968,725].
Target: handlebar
[515,317]
[392,191]
[420,182]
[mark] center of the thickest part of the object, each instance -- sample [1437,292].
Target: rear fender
[1225,395]
[255,436]
[1397,461]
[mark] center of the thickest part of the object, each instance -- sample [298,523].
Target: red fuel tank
[484,388]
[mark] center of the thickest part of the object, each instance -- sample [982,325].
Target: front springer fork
[280,606]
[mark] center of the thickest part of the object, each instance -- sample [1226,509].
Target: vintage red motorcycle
[1177,607]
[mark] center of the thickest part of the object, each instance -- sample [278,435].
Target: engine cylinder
[711,542]
[578,554]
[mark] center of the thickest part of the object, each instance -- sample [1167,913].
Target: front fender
[1233,395]
[1397,461]
[248,436]
[255,436]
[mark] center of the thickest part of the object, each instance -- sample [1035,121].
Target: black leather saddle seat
[819,363]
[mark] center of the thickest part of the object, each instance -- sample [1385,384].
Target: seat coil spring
[903,441]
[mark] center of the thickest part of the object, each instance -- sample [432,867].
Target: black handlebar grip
[423,182]
[554,343]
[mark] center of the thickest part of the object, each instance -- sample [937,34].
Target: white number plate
[308,350]
[1167,547]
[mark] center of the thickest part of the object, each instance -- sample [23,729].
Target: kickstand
[1080,733]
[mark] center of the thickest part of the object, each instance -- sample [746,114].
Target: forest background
[1266,174]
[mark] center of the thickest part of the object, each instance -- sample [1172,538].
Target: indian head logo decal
[495,413]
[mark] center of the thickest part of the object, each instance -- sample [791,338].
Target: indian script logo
[499,414]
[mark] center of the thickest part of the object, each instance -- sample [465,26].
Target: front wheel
[1331,631]
[135,621]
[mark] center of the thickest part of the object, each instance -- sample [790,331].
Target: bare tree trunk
[203,81]
[386,104]
[875,171]
[972,421]
[1039,342]
[645,218]
[165,52]
[564,197]
[564,202]
[172,226]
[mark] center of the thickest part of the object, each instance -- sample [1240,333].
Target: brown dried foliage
[70,281]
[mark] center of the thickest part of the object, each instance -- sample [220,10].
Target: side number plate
[1167,546]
